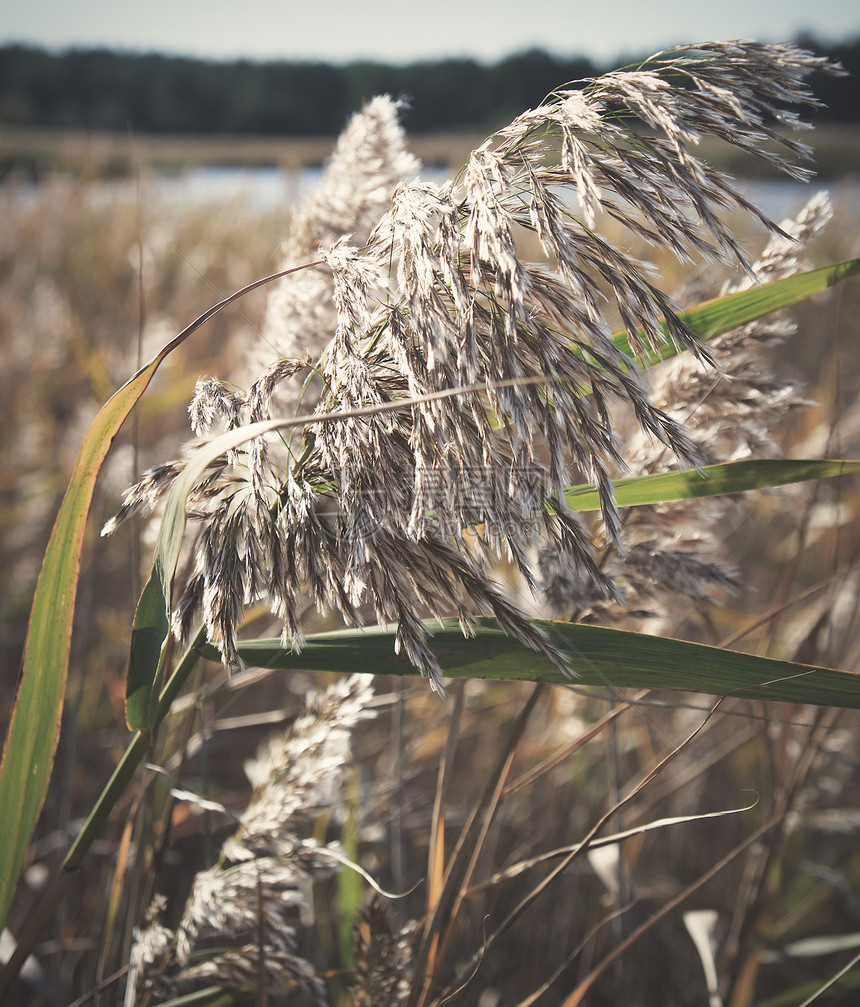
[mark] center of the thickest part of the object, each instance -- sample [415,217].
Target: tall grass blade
[113,790]
[31,742]
[714,480]
[34,728]
[600,656]
[722,314]
[350,889]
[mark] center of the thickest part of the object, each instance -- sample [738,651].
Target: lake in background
[265,189]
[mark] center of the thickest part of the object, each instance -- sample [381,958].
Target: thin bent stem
[580,848]
[575,999]
[461,856]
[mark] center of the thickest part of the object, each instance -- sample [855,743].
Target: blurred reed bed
[93,278]
[80,277]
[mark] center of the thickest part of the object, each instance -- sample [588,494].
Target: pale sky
[397,31]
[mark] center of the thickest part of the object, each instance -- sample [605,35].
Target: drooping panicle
[403,515]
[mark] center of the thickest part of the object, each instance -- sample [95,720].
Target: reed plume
[676,550]
[403,515]
[249,909]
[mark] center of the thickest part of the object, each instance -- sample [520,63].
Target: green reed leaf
[350,885]
[722,314]
[600,656]
[713,480]
[34,727]
[34,730]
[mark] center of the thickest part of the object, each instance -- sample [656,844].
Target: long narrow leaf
[34,728]
[722,314]
[600,656]
[31,742]
[714,480]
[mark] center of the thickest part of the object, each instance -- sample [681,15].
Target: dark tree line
[104,90]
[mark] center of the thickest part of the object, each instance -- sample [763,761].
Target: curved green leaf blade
[148,648]
[722,314]
[31,742]
[714,480]
[600,656]
[34,727]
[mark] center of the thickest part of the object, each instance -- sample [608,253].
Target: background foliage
[103,90]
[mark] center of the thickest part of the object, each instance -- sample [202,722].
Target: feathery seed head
[261,884]
[401,515]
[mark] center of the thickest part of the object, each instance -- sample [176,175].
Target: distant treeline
[149,93]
